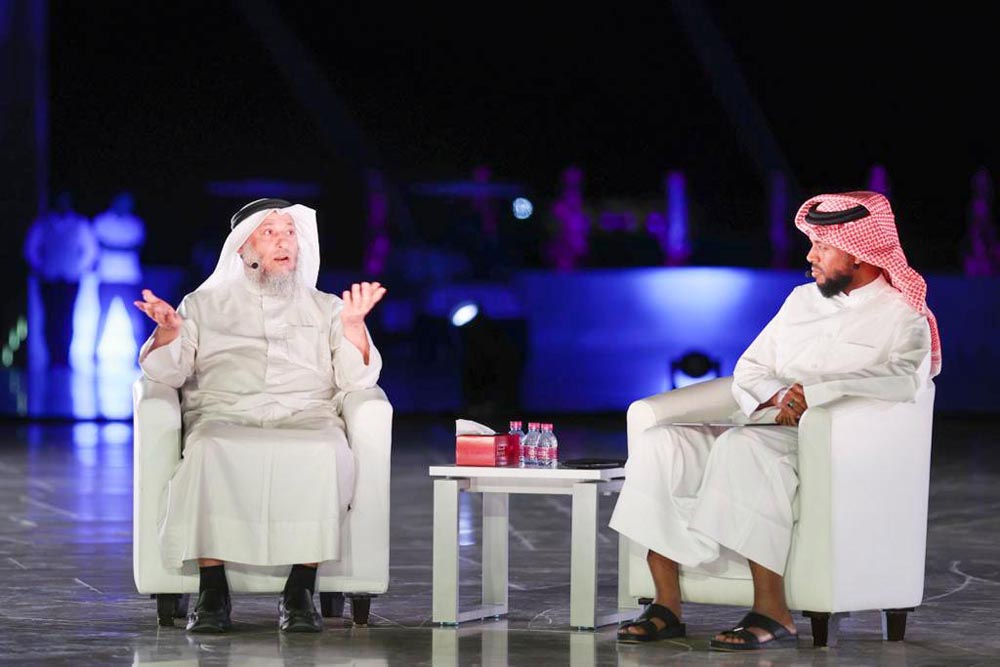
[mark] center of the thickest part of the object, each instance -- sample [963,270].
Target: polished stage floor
[67,595]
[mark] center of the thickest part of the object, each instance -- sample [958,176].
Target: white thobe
[267,473]
[711,497]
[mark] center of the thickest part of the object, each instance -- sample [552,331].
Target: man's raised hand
[359,301]
[159,311]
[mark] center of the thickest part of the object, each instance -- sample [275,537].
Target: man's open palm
[359,301]
[159,311]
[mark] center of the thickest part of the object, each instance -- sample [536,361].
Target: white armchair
[860,541]
[362,571]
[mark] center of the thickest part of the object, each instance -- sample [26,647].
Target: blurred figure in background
[120,236]
[377,249]
[672,229]
[568,246]
[878,180]
[60,247]
[981,249]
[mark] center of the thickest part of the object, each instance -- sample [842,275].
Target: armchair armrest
[368,417]
[156,451]
[864,469]
[706,401]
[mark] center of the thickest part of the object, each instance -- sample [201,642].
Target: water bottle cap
[515,424]
[534,426]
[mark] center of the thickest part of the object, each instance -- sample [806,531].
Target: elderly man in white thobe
[262,359]
[722,499]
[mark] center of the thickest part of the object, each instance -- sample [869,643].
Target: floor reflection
[68,596]
[263,650]
[94,392]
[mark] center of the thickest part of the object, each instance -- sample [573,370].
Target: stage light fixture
[463,313]
[692,367]
[523,208]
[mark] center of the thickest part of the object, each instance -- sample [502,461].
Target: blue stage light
[464,313]
[523,208]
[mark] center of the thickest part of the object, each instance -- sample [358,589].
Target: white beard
[271,284]
[282,284]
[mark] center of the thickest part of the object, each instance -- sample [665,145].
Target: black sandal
[780,635]
[652,632]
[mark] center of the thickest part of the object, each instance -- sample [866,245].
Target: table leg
[495,550]
[625,601]
[583,556]
[445,567]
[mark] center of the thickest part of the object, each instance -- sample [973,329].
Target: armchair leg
[894,624]
[825,627]
[170,606]
[361,606]
[331,604]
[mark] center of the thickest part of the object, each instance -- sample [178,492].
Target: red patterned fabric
[873,239]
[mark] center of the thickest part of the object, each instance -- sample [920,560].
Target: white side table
[496,485]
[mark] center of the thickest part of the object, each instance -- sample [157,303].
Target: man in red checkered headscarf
[700,497]
[862,226]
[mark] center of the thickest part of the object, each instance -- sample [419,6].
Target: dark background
[161,98]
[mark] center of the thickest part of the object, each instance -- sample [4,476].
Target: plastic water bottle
[515,431]
[542,449]
[530,444]
[553,445]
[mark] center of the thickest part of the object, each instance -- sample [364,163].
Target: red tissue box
[486,450]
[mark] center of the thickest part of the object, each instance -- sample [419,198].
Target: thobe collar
[862,294]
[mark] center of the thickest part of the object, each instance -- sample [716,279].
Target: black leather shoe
[211,614]
[296,612]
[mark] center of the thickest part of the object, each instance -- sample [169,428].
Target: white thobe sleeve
[173,363]
[896,379]
[350,371]
[754,378]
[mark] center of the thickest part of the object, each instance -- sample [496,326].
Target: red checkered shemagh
[872,239]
